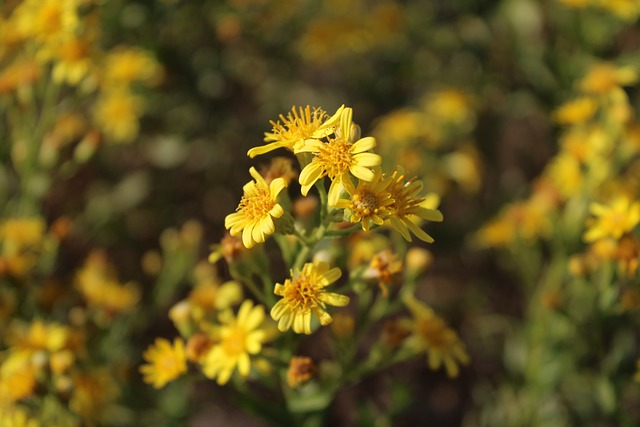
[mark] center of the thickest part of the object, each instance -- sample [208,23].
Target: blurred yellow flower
[47,20]
[37,336]
[303,294]
[209,294]
[625,9]
[116,112]
[98,284]
[450,107]
[386,269]
[15,416]
[166,362]
[618,217]
[72,60]
[577,111]
[368,202]
[126,65]
[603,78]
[337,158]
[236,339]
[297,127]
[429,333]
[407,208]
[257,209]
[18,377]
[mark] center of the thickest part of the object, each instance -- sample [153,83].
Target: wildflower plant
[260,340]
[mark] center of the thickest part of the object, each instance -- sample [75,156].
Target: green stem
[255,291]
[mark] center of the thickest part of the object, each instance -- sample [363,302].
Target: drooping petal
[310,174]
[247,239]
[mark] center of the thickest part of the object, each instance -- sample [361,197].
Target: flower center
[257,206]
[365,203]
[234,343]
[300,292]
[433,332]
[335,157]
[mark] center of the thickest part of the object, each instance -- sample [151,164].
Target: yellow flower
[166,362]
[625,9]
[117,112]
[577,111]
[613,220]
[99,286]
[408,207]
[72,60]
[368,202]
[429,333]
[603,78]
[237,338]
[36,336]
[256,211]
[338,157]
[15,416]
[209,294]
[299,126]
[125,65]
[47,20]
[304,293]
[18,377]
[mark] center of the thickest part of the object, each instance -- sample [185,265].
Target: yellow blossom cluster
[628,10]
[60,43]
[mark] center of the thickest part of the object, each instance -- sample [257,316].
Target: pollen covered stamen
[256,206]
[335,157]
[301,293]
[365,203]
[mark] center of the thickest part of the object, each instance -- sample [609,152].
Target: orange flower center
[300,292]
[433,332]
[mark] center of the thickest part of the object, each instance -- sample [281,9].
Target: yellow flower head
[257,209]
[47,20]
[237,338]
[604,78]
[299,126]
[304,293]
[210,295]
[37,336]
[613,220]
[15,416]
[301,370]
[338,157]
[408,207]
[368,202]
[429,333]
[577,111]
[125,65]
[166,362]
[72,58]
[117,112]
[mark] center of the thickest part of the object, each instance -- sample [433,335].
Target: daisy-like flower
[368,202]
[47,20]
[304,293]
[429,333]
[237,338]
[117,112]
[300,125]
[613,220]
[337,158]
[166,362]
[409,208]
[258,207]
